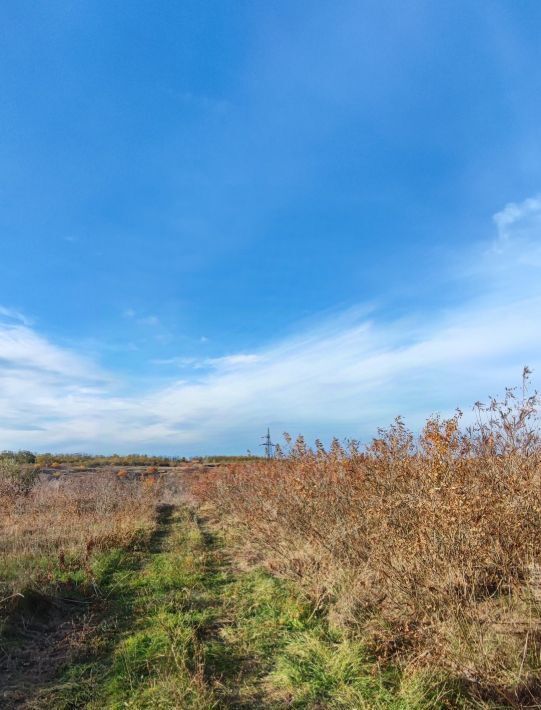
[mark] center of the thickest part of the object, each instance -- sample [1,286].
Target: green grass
[180,629]
[298,661]
[146,648]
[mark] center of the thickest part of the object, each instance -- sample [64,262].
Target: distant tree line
[88,460]
[83,460]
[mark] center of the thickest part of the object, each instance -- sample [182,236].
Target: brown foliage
[428,545]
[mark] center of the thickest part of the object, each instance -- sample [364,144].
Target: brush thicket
[428,547]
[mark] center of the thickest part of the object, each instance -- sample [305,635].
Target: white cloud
[21,348]
[519,232]
[347,375]
[515,213]
[12,315]
[233,361]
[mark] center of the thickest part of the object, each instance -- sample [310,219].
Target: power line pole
[269,446]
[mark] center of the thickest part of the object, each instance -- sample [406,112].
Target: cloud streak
[345,376]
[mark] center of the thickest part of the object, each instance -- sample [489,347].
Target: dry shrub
[16,479]
[429,545]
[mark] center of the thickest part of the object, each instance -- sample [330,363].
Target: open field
[258,261]
[403,575]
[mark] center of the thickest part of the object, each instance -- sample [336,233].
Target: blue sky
[217,216]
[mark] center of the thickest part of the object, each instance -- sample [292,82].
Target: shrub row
[427,547]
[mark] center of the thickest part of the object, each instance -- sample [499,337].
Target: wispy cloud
[13,315]
[178,361]
[346,375]
[515,213]
[233,361]
[519,231]
[131,314]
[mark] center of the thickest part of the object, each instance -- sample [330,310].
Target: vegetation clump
[426,548]
[19,456]
[16,479]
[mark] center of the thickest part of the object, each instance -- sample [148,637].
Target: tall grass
[51,531]
[427,547]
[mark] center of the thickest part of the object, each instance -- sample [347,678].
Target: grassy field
[406,575]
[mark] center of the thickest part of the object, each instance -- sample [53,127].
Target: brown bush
[16,479]
[429,546]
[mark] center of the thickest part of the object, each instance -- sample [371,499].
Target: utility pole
[267,443]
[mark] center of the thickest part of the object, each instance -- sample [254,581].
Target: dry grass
[428,547]
[52,530]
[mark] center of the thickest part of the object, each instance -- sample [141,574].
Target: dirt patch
[41,637]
